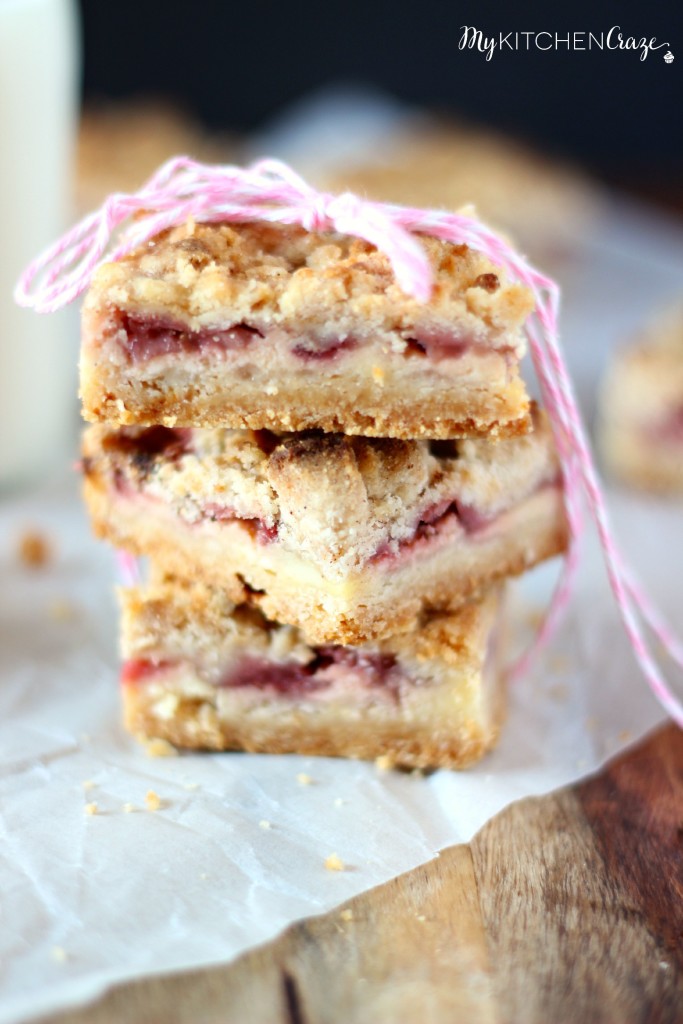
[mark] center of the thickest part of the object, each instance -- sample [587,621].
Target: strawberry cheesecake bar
[641,410]
[347,538]
[271,327]
[201,672]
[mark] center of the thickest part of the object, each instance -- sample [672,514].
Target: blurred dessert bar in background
[120,145]
[541,202]
[641,408]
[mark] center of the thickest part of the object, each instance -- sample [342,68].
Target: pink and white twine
[271,191]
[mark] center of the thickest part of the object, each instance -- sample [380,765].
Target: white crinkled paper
[87,900]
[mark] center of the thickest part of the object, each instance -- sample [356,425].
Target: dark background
[236,63]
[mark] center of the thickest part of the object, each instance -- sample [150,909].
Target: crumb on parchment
[384,763]
[152,800]
[264,824]
[61,610]
[35,550]
[160,748]
[128,808]
[59,955]
[88,784]
[91,808]
[304,780]
[334,863]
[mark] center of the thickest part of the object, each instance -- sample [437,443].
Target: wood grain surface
[567,908]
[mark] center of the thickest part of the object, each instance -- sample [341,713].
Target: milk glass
[39,72]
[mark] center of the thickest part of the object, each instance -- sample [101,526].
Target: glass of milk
[39,80]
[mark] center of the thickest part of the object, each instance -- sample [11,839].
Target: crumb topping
[269,276]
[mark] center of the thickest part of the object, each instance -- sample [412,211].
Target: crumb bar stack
[330,482]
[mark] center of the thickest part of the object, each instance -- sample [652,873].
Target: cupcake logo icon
[669,57]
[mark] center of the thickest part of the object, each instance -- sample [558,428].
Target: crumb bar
[202,673]
[347,538]
[641,409]
[270,327]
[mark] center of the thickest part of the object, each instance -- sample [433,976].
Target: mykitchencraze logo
[474,39]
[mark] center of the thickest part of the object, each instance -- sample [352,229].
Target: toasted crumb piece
[35,550]
[160,748]
[303,779]
[88,784]
[625,736]
[61,610]
[264,824]
[59,954]
[384,763]
[91,808]
[420,917]
[128,808]
[152,800]
[346,914]
[334,863]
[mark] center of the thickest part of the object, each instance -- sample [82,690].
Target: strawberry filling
[147,338]
[327,667]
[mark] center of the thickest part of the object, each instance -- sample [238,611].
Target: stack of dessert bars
[330,482]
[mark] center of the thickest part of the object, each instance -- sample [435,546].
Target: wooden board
[567,908]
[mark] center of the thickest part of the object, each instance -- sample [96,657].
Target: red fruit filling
[373,670]
[149,337]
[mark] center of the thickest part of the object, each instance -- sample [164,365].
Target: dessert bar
[641,409]
[202,673]
[272,327]
[347,538]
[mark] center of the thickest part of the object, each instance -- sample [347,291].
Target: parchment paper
[86,900]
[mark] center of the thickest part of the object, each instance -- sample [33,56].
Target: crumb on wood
[334,863]
[35,550]
[91,808]
[160,748]
[384,763]
[304,779]
[152,800]
[346,914]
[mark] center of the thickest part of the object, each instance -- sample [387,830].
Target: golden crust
[196,730]
[489,406]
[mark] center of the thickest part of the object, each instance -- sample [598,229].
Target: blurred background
[236,66]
